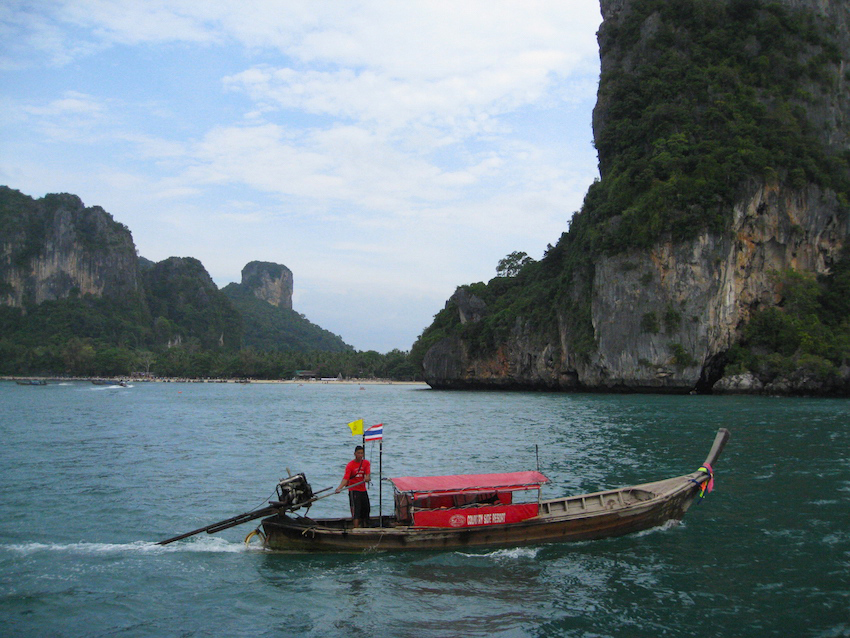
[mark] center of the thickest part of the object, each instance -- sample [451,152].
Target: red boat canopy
[507,482]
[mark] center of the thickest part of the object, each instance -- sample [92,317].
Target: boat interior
[598,502]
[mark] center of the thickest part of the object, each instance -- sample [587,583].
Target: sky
[386,152]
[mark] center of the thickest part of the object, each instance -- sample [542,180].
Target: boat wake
[668,525]
[513,553]
[201,545]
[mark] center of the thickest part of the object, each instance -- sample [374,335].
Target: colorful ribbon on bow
[708,485]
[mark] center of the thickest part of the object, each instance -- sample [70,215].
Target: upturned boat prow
[468,511]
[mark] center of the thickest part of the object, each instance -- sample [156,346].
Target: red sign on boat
[465,500]
[475,515]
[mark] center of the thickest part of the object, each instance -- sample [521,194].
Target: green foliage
[87,337]
[709,100]
[55,322]
[266,327]
[255,364]
[90,358]
[182,298]
[649,323]
[681,357]
[512,264]
[809,330]
[672,319]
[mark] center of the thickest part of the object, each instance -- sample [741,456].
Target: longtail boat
[474,510]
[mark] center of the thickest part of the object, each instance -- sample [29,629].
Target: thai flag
[374,433]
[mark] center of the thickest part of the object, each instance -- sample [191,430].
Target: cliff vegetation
[272,328]
[718,219]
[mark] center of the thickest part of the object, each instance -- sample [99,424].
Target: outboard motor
[293,492]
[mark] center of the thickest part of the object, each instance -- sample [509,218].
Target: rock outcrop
[269,282]
[664,317]
[661,317]
[55,249]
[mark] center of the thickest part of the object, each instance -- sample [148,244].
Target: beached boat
[475,510]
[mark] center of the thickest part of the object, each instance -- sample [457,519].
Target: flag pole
[380,481]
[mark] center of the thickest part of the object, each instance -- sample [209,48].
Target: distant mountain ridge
[71,270]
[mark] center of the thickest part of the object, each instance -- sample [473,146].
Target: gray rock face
[470,307]
[270,282]
[65,249]
[661,316]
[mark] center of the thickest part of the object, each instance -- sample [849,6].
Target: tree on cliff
[510,265]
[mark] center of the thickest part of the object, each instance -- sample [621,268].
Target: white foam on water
[513,553]
[200,545]
[671,524]
[104,388]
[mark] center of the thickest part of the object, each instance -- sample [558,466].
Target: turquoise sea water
[92,476]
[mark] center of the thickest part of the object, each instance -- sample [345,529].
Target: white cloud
[385,150]
[142,21]
[71,103]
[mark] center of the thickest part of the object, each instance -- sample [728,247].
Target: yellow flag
[356,427]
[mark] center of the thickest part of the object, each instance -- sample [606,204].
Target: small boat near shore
[474,510]
[110,382]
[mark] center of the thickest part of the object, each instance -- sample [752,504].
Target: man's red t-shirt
[355,472]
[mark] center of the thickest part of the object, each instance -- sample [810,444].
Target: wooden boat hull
[587,517]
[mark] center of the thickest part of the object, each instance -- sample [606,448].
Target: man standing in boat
[357,473]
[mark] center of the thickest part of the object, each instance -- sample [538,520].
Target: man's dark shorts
[359,501]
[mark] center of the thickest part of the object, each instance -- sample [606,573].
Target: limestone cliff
[269,282]
[713,179]
[662,316]
[55,247]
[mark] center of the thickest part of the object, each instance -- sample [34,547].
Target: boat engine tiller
[293,492]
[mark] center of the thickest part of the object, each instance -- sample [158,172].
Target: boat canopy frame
[419,486]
